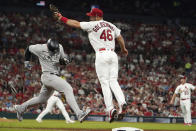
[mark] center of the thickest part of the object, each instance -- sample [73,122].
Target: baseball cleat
[83,115]
[112,114]
[122,111]
[70,121]
[38,120]
[18,112]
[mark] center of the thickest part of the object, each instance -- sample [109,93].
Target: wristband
[64,19]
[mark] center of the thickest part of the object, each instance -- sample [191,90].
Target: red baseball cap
[95,12]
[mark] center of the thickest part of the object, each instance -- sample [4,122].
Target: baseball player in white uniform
[184,89]
[50,54]
[52,101]
[102,35]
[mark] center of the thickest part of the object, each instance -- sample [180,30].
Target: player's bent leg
[61,85]
[48,109]
[43,97]
[115,87]
[42,114]
[107,94]
[102,70]
[108,99]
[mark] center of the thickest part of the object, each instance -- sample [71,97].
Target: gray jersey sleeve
[35,49]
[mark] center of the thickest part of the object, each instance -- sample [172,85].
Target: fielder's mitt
[53,8]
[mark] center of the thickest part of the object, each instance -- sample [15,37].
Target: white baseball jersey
[184,90]
[47,59]
[101,34]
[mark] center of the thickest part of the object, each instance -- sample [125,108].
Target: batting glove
[64,61]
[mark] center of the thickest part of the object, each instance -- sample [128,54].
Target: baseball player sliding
[52,101]
[102,35]
[184,89]
[50,54]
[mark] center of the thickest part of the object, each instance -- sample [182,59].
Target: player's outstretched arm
[122,45]
[69,22]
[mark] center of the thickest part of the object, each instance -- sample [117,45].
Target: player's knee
[70,90]
[61,108]
[49,110]
[68,87]
[104,82]
[113,80]
[43,98]
[188,110]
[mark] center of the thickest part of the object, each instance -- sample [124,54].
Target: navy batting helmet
[53,45]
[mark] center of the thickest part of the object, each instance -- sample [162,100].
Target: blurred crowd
[148,76]
[166,8]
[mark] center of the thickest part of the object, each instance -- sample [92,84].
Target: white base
[127,129]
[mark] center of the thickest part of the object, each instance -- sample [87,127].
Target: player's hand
[64,61]
[124,51]
[67,61]
[57,15]
[27,65]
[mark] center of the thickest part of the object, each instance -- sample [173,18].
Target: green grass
[15,125]
[19,129]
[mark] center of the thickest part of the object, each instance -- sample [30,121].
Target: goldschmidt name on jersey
[102,24]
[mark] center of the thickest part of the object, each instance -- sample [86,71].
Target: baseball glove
[54,9]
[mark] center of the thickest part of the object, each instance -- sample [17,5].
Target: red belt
[184,99]
[104,49]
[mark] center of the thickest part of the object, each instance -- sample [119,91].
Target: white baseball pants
[106,65]
[52,101]
[186,110]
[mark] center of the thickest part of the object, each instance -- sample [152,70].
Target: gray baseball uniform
[50,79]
